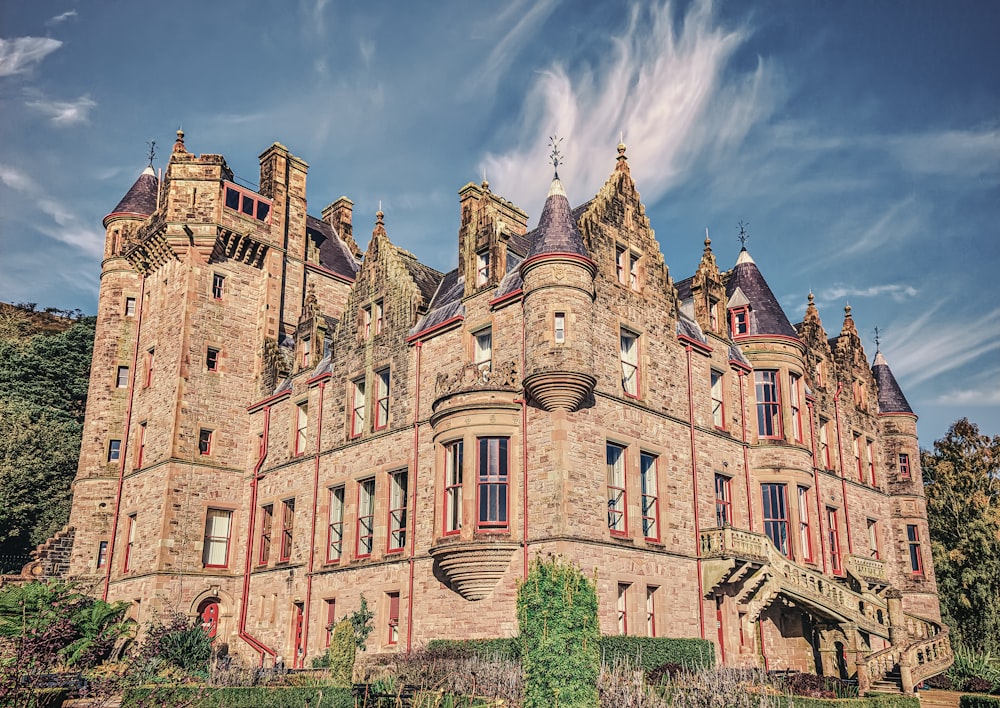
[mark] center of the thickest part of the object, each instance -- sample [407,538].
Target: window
[378,316]
[718,410]
[215,553]
[713,314]
[821,373]
[904,466]
[266,521]
[130,307]
[114,450]
[204,442]
[633,270]
[630,362]
[393,623]
[805,540]
[621,264]
[492,488]
[453,487]
[739,320]
[218,286]
[873,538]
[212,359]
[870,459]
[306,352]
[149,368]
[559,327]
[768,403]
[335,532]
[622,606]
[913,541]
[366,517]
[129,542]
[483,354]
[358,407]
[856,448]
[482,268]
[824,444]
[723,500]
[860,397]
[397,510]
[287,526]
[776,516]
[617,501]
[650,496]
[141,454]
[102,554]
[331,619]
[301,427]
[121,378]
[794,402]
[651,611]
[833,539]
[246,202]
[366,321]
[381,399]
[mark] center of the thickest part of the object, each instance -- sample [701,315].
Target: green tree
[342,652]
[557,616]
[962,483]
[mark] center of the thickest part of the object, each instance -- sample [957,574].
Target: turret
[558,277]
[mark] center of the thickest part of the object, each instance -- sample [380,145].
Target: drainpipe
[251,523]
[125,438]
[746,451]
[840,454]
[524,451]
[312,533]
[694,485]
[413,514]
[819,498]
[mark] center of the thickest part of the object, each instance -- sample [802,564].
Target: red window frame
[795,405]
[774,499]
[824,444]
[331,619]
[621,605]
[648,477]
[141,447]
[805,538]
[301,427]
[218,286]
[366,321]
[617,478]
[217,539]
[335,525]
[739,321]
[266,523]
[129,543]
[130,307]
[870,457]
[913,544]
[148,379]
[833,540]
[398,500]
[114,450]
[630,360]
[856,447]
[212,358]
[359,401]
[482,268]
[716,382]
[493,484]
[204,442]
[121,377]
[723,500]
[393,618]
[102,554]
[366,518]
[454,453]
[243,201]
[651,610]
[904,465]
[381,399]
[287,529]
[767,388]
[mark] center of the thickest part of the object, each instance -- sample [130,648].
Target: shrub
[557,616]
[361,621]
[650,653]
[452,671]
[974,671]
[342,653]
[506,648]
[979,702]
[230,697]
[940,681]
[179,641]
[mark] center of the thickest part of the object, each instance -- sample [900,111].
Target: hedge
[886,701]
[239,697]
[977,701]
[47,697]
[648,652]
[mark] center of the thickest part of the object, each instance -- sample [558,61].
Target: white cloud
[367,49]
[663,85]
[971,396]
[18,55]
[63,113]
[841,293]
[527,16]
[897,222]
[62,17]
[950,153]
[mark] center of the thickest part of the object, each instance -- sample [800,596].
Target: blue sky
[860,140]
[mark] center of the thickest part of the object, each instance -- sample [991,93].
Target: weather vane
[878,339]
[152,151]
[555,155]
[744,236]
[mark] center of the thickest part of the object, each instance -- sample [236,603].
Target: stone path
[939,699]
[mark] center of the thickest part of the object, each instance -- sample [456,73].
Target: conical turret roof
[890,395]
[140,200]
[766,315]
[557,231]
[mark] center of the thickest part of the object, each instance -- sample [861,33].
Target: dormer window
[306,351]
[366,322]
[484,350]
[713,314]
[739,319]
[621,263]
[247,202]
[482,268]
[377,316]
[627,267]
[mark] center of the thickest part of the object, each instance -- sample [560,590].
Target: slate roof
[689,328]
[684,288]
[141,198]
[333,253]
[736,354]
[426,278]
[890,395]
[766,315]
[557,231]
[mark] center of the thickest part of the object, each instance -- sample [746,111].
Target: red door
[718,624]
[209,611]
[299,649]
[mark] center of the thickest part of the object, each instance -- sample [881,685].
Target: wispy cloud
[843,293]
[20,54]
[523,17]
[950,153]
[64,113]
[367,49]
[988,395]
[315,12]
[63,223]
[895,223]
[663,84]
[69,14]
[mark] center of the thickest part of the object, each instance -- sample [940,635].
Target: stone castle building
[279,424]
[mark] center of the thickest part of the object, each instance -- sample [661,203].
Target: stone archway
[213,608]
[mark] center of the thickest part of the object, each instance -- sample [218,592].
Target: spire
[140,200]
[179,144]
[557,231]
[890,395]
[766,315]
[812,314]
[849,328]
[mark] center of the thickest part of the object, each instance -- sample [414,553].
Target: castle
[279,424]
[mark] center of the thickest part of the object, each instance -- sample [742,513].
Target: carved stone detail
[502,377]
[473,569]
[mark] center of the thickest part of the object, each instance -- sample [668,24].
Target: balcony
[474,568]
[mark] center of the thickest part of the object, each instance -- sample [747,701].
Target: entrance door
[300,650]
[209,613]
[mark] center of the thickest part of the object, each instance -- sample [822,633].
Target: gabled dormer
[708,293]
[819,357]
[492,230]
[852,365]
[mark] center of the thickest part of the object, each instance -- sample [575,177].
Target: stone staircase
[919,648]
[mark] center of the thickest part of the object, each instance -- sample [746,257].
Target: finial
[847,311]
[812,299]
[622,165]
[744,235]
[379,215]
[179,145]
[708,241]
[877,339]
[486,184]
[555,156]
[152,151]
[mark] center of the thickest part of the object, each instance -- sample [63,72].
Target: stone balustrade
[867,568]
